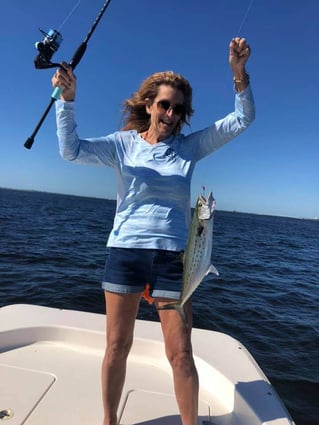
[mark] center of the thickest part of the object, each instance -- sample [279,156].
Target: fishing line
[69,15]
[245,17]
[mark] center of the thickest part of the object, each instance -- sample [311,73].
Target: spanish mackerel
[197,257]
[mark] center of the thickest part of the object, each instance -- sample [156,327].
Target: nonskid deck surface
[50,365]
[58,382]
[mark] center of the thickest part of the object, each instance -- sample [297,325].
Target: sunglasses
[165,105]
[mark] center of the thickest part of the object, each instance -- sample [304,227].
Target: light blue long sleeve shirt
[153,199]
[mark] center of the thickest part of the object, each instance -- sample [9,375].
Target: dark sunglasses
[178,109]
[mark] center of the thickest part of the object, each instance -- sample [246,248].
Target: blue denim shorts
[128,270]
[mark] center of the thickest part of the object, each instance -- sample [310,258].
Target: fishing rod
[47,48]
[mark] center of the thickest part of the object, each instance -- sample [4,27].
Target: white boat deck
[50,362]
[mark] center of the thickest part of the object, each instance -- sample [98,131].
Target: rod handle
[56,93]
[29,142]
[78,55]
[73,63]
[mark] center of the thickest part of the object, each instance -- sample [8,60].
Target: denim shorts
[128,270]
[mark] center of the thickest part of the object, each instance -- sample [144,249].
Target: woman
[154,163]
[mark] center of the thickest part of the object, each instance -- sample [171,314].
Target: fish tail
[178,307]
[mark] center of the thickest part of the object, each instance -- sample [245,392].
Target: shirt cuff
[244,93]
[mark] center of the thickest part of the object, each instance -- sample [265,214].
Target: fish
[197,256]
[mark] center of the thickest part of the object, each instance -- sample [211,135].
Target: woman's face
[166,111]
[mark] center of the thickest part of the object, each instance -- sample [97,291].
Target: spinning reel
[46,48]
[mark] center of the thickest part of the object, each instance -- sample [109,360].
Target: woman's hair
[135,116]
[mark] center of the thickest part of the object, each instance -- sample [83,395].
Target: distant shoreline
[114,200]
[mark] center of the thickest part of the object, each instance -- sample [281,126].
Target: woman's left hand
[239,52]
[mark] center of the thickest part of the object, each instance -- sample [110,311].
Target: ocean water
[52,253]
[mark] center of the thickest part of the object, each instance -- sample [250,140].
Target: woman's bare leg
[121,312]
[178,348]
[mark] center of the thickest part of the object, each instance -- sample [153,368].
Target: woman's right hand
[66,80]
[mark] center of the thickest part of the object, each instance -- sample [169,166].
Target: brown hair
[135,116]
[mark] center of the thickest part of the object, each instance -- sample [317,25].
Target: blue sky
[272,168]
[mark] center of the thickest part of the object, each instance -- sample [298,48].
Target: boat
[50,366]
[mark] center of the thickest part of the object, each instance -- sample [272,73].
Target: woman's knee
[118,350]
[182,361]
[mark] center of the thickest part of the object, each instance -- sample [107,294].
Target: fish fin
[183,257]
[212,269]
[178,307]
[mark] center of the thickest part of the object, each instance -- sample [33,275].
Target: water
[52,253]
